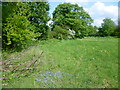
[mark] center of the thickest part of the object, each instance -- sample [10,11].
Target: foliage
[39,17]
[92,30]
[73,17]
[107,27]
[23,22]
[58,33]
[117,30]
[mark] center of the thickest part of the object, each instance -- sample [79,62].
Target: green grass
[91,63]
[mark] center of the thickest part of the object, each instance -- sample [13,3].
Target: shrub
[58,33]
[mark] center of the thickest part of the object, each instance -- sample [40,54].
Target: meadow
[90,62]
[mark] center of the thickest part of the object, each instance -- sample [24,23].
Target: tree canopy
[39,17]
[73,17]
[20,23]
[107,28]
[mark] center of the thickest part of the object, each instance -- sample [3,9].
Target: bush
[58,33]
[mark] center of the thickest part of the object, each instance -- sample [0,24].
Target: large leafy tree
[107,28]
[39,17]
[17,30]
[72,17]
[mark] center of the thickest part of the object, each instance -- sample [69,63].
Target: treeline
[71,21]
[24,22]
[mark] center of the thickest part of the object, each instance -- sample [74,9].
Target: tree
[107,27]
[17,30]
[39,17]
[72,17]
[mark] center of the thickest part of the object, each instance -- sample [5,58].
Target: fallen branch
[15,69]
[29,65]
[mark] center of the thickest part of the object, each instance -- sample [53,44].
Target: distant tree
[107,27]
[72,17]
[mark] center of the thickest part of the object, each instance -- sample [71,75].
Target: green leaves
[73,17]
[108,27]
[17,29]
[39,17]
[58,33]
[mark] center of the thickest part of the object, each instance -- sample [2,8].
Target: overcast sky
[98,9]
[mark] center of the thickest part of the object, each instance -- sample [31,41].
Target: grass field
[84,63]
